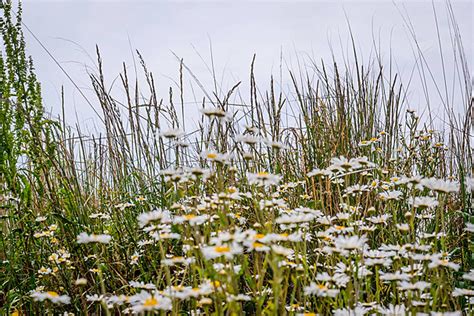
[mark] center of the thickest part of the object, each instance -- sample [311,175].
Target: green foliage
[25,133]
[56,184]
[26,148]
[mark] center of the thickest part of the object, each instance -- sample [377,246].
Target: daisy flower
[350,243]
[84,238]
[390,195]
[320,290]
[393,310]
[440,185]
[172,133]
[215,112]
[144,301]
[263,178]
[224,250]
[424,202]
[54,297]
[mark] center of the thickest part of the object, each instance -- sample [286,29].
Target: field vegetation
[335,198]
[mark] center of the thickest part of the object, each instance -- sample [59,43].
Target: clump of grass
[349,206]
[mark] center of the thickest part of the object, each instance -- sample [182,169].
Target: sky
[236,30]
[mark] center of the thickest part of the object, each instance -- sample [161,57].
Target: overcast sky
[237,29]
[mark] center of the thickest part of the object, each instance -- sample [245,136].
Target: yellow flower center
[211,155]
[221,249]
[52,293]
[262,174]
[322,287]
[339,227]
[189,216]
[258,236]
[149,302]
[257,245]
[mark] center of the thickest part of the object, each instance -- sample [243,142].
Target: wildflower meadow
[333,199]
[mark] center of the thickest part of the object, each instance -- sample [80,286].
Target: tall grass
[58,182]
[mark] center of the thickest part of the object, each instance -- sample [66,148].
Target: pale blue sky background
[237,29]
